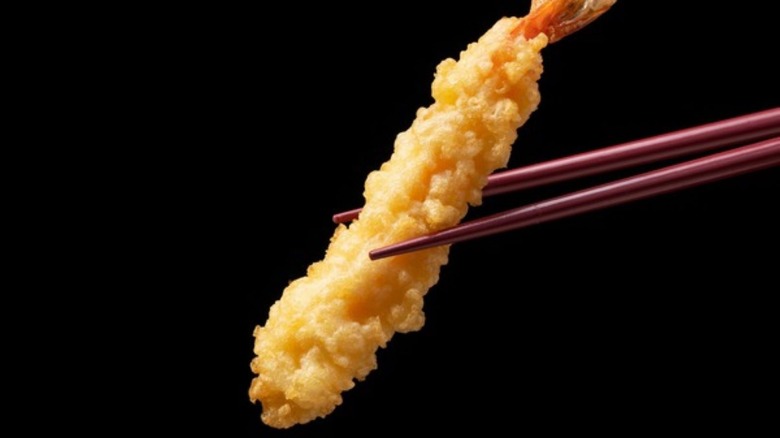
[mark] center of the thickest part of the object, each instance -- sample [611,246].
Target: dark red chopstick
[714,167]
[712,136]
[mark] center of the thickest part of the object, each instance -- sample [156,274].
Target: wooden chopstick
[709,137]
[692,173]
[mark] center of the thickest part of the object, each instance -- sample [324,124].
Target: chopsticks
[700,171]
[709,137]
[689,174]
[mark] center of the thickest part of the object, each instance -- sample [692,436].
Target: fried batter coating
[324,331]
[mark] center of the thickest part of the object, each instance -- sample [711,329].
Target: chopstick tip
[346,216]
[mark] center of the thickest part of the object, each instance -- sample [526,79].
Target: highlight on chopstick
[704,170]
[709,137]
[324,331]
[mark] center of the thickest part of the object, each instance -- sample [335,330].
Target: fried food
[324,331]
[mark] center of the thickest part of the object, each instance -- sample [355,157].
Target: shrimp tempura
[324,331]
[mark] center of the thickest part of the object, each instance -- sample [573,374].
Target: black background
[631,318]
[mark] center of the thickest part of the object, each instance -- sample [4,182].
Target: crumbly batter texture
[323,333]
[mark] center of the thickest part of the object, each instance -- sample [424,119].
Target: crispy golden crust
[324,331]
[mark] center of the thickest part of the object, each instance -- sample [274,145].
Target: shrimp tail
[559,18]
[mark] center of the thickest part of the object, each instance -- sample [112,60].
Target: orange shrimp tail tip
[558,18]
